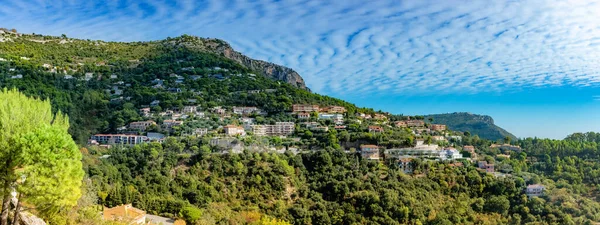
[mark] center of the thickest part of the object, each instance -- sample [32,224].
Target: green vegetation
[320,179]
[38,157]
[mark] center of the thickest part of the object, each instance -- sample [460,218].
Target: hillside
[480,125]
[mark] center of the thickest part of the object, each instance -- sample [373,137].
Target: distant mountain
[480,125]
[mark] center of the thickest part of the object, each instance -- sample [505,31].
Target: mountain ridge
[481,125]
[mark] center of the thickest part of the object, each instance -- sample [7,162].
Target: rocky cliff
[220,47]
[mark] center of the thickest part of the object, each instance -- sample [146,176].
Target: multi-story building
[450,154]
[232,130]
[415,123]
[370,152]
[304,108]
[488,167]
[333,109]
[405,165]
[437,127]
[141,125]
[280,128]
[124,139]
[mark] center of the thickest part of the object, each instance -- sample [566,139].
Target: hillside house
[370,152]
[415,123]
[303,115]
[483,165]
[189,109]
[437,127]
[145,112]
[450,154]
[375,129]
[200,132]
[233,130]
[405,165]
[246,110]
[534,190]
[141,125]
[125,213]
[169,124]
[154,103]
[378,116]
[400,123]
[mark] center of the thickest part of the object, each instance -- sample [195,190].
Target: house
[88,76]
[154,103]
[334,117]
[156,137]
[279,129]
[506,147]
[378,116]
[125,213]
[400,123]
[437,127]
[405,164]
[370,152]
[189,109]
[218,110]
[200,131]
[232,130]
[141,125]
[174,90]
[450,154]
[415,123]
[340,127]
[438,138]
[320,128]
[145,112]
[303,115]
[246,110]
[483,165]
[169,124]
[470,149]
[304,108]
[333,109]
[124,139]
[534,190]
[376,129]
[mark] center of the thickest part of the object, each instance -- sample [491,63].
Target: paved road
[160,219]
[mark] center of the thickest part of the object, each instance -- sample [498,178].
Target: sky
[533,65]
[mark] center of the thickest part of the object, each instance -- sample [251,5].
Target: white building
[189,109]
[535,190]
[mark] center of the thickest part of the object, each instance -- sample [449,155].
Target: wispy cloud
[360,47]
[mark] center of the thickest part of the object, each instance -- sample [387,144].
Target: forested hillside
[233,145]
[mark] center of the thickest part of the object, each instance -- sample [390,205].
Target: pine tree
[39,158]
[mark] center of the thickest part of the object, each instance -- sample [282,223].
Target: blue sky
[532,65]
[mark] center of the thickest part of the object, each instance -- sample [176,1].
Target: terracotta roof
[123,212]
[369,146]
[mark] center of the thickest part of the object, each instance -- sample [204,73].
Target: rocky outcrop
[220,47]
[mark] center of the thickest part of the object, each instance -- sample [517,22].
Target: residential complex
[280,128]
[304,108]
[124,139]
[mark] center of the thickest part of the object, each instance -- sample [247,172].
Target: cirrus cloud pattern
[360,47]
